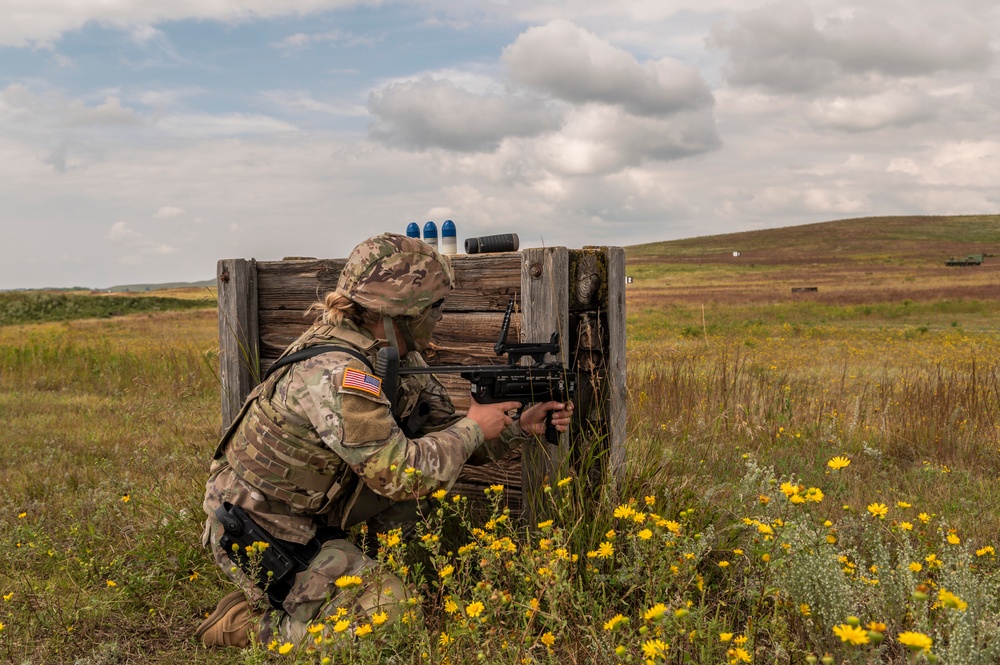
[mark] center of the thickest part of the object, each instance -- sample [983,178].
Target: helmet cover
[395,275]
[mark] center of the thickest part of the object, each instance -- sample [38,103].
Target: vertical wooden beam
[616,359]
[544,310]
[239,355]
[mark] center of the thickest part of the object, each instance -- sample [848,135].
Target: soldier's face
[422,328]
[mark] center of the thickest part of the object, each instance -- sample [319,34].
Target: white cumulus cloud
[435,113]
[575,65]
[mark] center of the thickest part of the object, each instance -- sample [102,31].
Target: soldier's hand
[492,417]
[533,418]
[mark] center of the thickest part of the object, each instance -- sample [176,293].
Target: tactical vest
[280,453]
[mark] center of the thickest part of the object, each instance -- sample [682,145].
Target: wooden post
[239,338]
[616,359]
[544,310]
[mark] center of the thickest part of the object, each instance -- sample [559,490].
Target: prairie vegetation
[35,306]
[809,476]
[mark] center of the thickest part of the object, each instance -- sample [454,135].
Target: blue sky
[142,140]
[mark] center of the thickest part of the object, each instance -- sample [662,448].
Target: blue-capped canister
[412,230]
[431,234]
[449,241]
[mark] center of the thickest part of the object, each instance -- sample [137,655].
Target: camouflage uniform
[317,445]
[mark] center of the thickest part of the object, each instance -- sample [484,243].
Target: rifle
[538,382]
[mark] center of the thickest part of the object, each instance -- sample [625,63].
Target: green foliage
[37,306]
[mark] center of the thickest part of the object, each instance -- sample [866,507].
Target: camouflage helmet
[395,275]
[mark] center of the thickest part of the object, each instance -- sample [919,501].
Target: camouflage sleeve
[367,437]
[510,438]
[443,415]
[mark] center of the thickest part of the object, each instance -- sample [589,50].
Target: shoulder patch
[358,380]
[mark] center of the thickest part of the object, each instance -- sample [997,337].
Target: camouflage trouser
[314,594]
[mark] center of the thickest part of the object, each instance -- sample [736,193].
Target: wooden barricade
[578,293]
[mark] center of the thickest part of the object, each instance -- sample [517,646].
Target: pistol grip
[551,433]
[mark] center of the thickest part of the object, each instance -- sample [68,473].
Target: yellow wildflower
[645,534]
[624,511]
[723,564]
[614,622]
[361,631]
[563,482]
[789,489]
[380,618]
[605,550]
[548,639]
[285,648]
[111,584]
[474,609]
[948,599]
[915,567]
[446,571]
[655,649]
[925,518]
[345,581]
[739,655]
[650,500]
[954,539]
[655,613]
[445,639]
[879,510]
[980,552]
[805,610]
[440,494]
[725,637]
[315,628]
[450,606]
[341,625]
[545,525]
[852,634]
[915,641]
[903,504]
[838,462]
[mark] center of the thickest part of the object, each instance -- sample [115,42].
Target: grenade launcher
[513,382]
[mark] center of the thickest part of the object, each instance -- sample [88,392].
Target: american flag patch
[362,381]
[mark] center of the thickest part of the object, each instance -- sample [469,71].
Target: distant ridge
[898,235]
[137,288]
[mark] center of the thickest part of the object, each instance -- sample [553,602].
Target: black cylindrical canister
[504,242]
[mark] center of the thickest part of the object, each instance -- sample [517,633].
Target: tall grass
[730,537]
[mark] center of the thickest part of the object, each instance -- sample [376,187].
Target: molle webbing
[283,465]
[284,458]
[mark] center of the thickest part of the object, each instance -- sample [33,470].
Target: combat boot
[229,625]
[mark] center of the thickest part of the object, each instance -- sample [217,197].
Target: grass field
[740,542]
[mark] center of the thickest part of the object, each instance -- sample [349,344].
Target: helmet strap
[390,332]
[404,327]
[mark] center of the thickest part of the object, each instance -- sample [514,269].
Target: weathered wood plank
[544,283]
[239,358]
[457,333]
[615,354]
[482,282]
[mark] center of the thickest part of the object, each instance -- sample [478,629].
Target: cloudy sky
[142,140]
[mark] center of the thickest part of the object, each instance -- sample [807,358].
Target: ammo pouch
[273,570]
